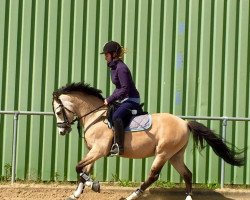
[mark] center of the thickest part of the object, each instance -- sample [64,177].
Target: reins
[78,119]
[101,117]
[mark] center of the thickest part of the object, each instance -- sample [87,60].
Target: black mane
[78,87]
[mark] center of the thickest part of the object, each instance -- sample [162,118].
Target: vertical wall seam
[30,86]
[198,55]
[248,68]
[97,29]
[135,53]
[58,44]
[110,28]
[224,56]
[148,46]
[71,40]
[247,103]
[18,53]
[84,38]
[173,56]
[43,83]
[5,55]
[235,89]
[211,59]
[159,91]
[123,22]
[186,45]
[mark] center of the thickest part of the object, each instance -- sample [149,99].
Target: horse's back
[169,120]
[169,128]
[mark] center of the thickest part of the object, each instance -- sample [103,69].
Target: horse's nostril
[61,132]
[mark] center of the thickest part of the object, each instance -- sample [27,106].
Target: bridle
[66,123]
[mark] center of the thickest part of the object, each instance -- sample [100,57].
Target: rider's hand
[105,102]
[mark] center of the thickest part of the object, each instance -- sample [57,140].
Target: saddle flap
[140,123]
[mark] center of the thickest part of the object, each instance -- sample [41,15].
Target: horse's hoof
[188,197]
[135,195]
[71,197]
[96,186]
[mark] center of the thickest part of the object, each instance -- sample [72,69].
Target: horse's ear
[55,95]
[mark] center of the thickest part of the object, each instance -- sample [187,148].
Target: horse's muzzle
[64,128]
[65,131]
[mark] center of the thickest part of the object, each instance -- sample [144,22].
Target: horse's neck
[87,104]
[94,117]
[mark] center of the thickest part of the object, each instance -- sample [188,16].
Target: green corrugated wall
[187,58]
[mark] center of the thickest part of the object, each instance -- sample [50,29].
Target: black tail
[201,132]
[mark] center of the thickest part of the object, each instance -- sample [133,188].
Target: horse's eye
[58,112]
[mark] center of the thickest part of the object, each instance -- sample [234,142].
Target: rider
[125,93]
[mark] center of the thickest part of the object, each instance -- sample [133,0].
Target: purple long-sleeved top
[121,77]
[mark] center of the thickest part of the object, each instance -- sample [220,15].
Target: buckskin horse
[166,139]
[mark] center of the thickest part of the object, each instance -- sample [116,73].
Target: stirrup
[115,150]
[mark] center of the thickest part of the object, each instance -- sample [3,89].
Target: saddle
[140,120]
[139,123]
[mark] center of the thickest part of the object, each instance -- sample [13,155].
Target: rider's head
[113,50]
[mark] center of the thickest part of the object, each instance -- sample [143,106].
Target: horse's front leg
[85,180]
[83,168]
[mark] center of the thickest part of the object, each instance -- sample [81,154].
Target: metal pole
[224,131]
[13,173]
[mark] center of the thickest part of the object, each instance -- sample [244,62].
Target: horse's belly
[139,145]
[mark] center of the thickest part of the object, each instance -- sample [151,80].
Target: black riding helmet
[111,47]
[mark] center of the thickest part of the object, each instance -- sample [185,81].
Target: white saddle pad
[140,123]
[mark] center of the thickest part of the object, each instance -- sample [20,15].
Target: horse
[166,139]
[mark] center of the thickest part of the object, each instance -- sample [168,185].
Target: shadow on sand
[179,194]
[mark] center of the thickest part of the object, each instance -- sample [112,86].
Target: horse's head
[64,112]
[75,100]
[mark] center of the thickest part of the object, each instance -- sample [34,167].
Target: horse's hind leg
[177,161]
[157,165]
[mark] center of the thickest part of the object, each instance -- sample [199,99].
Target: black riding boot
[117,148]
